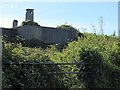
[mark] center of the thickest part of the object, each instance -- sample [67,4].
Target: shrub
[90,69]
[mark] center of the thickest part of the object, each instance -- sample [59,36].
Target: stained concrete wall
[29,32]
[10,32]
[56,35]
[47,34]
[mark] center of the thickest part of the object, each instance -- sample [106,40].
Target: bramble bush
[104,50]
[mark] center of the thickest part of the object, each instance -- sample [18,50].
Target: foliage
[70,27]
[28,75]
[36,43]
[101,49]
[115,54]
[28,22]
[26,43]
[90,70]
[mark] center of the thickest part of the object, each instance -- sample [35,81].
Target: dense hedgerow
[102,53]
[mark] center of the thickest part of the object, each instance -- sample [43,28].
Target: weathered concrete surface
[47,34]
[10,32]
[29,14]
[15,23]
[29,32]
[55,35]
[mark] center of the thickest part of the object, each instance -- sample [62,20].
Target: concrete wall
[29,32]
[10,32]
[56,35]
[47,34]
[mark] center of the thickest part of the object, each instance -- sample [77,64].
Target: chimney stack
[30,15]
[15,23]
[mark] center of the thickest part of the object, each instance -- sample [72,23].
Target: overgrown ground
[104,51]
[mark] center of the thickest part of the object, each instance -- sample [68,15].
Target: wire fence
[56,72]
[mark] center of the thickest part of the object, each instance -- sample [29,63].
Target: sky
[78,14]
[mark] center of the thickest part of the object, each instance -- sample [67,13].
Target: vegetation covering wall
[101,52]
[70,27]
[28,22]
